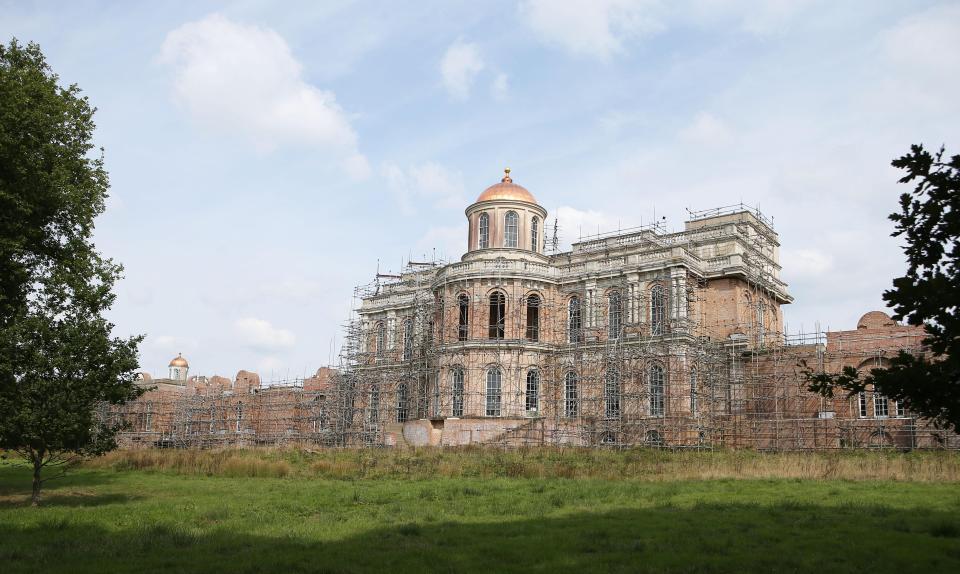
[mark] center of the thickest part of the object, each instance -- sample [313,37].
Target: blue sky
[265,156]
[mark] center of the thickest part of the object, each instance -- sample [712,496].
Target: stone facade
[634,337]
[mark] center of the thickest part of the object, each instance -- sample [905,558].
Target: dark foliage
[928,295]
[59,363]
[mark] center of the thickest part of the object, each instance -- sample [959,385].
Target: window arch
[693,390]
[511,228]
[456,384]
[574,324]
[534,225]
[654,438]
[615,314]
[498,313]
[533,391]
[463,317]
[656,391]
[658,310]
[533,317]
[402,409]
[571,401]
[407,340]
[494,389]
[611,393]
[483,231]
[381,340]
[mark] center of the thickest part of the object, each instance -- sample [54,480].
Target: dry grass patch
[538,463]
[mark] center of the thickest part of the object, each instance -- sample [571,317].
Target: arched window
[463,319]
[534,224]
[402,410]
[533,318]
[654,438]
[483,235]
[571,402]
[656,391]
[615,312]
[693,390]
[407,340]
[510,229]
[381,341]
[533,390]
[498,312]
[456,383]
[658,310]
[494,386]
[611,393]
[574,330]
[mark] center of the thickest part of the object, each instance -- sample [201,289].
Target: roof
[506,189]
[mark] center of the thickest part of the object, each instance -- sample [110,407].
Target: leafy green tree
[928,295]
[59,365]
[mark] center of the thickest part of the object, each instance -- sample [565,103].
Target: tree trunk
[35,498]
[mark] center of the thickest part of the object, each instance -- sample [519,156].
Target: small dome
[506,189]
[875,320]
[179,361]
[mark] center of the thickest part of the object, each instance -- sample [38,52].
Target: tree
[928,295]
[59,363]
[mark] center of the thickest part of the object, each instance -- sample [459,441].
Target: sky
[265,158]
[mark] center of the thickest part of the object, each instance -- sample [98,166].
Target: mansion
[638,337]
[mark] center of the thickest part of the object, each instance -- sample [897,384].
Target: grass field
[491,511]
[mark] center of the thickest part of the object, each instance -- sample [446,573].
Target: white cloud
[706,129]
[243,79]
[459,67]
[592,28]
[923,56]
[805,263]
[260,334]
[499,87]
[426,183]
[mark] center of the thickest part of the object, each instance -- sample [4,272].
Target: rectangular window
[533,391]
[901,409]
[880,406]
[863,405]
[571,400]
[493,392]
[457,408]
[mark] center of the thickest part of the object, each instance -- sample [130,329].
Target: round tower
[506,217]
[179,368]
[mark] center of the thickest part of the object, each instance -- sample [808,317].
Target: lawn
[462,511]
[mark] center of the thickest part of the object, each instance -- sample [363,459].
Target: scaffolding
[637,337]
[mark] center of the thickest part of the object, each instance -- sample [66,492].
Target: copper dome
[179,361]
[506,189]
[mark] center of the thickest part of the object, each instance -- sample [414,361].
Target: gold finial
[506,177]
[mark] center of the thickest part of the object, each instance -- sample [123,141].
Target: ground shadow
[73,489]
[704,538]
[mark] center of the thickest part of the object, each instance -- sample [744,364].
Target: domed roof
[179,361]
[506,189]
[875,320]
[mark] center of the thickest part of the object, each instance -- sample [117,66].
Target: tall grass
[544,462]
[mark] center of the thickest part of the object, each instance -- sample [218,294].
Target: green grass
[101,519]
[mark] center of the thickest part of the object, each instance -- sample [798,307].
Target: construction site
[637,337]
